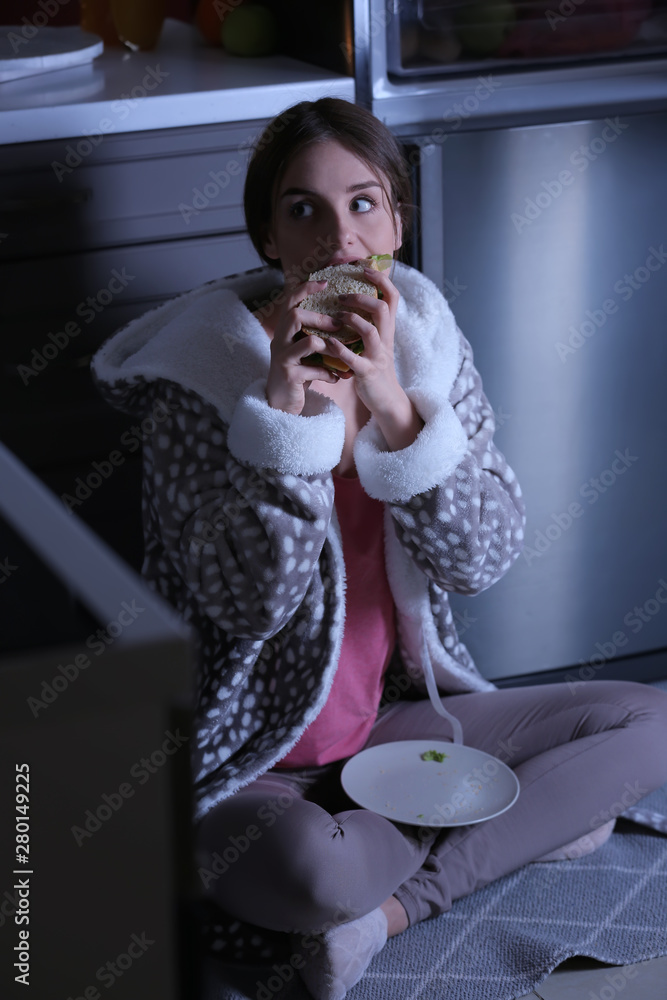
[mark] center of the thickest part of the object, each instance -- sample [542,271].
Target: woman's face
[329,208]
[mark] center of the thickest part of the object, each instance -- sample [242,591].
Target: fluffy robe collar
[209,341]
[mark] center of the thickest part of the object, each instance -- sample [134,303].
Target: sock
[344,955]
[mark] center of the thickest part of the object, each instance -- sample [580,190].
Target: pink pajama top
[344,724]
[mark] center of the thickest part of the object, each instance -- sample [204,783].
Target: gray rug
[503,940]
[499,943]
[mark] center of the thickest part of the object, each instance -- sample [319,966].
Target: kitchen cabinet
[143,218]
[121,185]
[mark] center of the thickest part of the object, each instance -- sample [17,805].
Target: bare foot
[397,918]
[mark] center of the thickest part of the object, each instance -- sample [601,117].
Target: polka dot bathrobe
[238,506]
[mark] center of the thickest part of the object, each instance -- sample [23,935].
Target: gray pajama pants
[302,853]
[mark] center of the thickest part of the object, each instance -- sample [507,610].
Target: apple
[482,26]
[250,30]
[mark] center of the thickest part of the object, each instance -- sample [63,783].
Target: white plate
[47,49]
[391,779]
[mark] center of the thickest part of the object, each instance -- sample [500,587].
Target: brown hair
[309,122]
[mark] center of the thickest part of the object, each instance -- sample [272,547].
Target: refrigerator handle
[431,200]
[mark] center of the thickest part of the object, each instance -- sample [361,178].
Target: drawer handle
[41,203]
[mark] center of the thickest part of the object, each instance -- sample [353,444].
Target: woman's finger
[326,375]
[318,321]
[383,283]
[295,351]
[290,297]
[297,293]
[335,348]
[367,330]
[377,309]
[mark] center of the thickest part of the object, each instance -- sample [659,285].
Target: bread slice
[342,279]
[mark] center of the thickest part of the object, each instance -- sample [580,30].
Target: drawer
[99,291]
[64,196]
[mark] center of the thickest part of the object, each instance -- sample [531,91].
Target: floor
[585,979]
[575,979]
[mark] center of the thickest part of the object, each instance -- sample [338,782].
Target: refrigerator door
[550,243]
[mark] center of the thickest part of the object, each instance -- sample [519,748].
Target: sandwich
[341,279]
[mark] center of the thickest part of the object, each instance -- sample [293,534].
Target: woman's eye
[301,210]
[363,204]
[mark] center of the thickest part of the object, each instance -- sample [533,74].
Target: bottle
[138,22]
[96,18]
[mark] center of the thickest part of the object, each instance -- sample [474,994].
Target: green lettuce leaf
[384,260]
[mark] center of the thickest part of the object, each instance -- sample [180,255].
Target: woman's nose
[339,231]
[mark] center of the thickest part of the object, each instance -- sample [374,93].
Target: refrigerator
[540,182]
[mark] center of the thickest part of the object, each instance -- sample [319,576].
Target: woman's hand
[289,378]
[375,378]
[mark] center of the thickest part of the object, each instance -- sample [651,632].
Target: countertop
[181,82]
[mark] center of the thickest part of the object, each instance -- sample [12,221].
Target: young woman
[310,526]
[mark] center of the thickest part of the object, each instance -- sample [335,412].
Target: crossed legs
[582,754]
